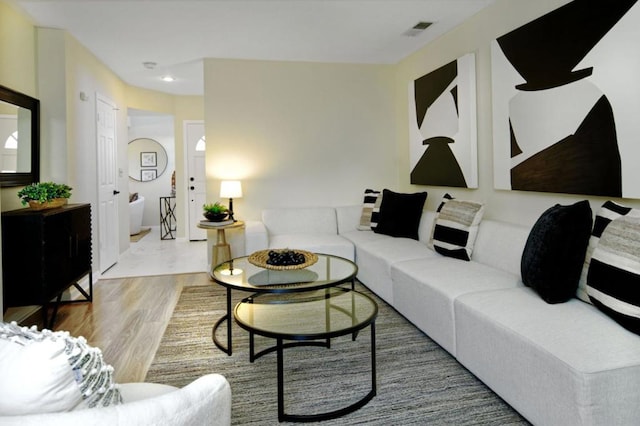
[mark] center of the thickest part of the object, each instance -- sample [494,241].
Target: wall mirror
[147,159]
[19,138]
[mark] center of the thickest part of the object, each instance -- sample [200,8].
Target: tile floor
[153,256]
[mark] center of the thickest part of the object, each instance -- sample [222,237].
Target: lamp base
[231,210]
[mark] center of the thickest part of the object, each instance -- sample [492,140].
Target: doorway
[151,156]
[195,146]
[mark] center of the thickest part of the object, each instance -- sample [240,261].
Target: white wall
[161,129]
[298,134]
[475,35]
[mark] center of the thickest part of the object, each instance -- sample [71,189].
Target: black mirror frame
[32,104]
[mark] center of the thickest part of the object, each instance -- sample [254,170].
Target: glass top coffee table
[240,274]
[306,319]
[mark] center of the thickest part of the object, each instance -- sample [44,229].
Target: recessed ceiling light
[168,78]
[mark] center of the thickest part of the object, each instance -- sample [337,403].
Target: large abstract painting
[442,126]
[566,101]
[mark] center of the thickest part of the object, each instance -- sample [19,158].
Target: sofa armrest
[256,236]
[205,401]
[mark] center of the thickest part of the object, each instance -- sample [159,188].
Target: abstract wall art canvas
[566,101]
[442,126]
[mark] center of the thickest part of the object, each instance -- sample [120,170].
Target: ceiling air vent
[417,29]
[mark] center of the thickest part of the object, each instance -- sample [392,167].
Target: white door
[196,177]
[107,183]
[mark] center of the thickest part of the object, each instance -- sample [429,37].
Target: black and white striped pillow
[456,227]
[370,210]
[608,212]
[613,280]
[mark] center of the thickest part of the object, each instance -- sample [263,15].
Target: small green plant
[44,191]
[215,208]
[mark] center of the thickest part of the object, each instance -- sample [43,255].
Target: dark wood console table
[44,252]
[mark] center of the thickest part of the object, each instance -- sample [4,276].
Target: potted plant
[45,195]
[215,212]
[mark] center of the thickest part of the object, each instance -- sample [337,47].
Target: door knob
[192,188]
[192,179]
[115,192]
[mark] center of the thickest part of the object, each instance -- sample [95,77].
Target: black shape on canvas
[546,51]
[430,86]
[438,166]
[515,148]
[587,162]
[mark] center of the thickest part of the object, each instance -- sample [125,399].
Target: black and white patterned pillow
[608,212]
[456,227]
[370,210]
[613,280]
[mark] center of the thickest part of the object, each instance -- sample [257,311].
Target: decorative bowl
[259,258]
[215,217]
[50,204]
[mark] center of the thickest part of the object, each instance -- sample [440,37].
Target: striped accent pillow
[613,280]
[370,210]
[456,227]
[608,212]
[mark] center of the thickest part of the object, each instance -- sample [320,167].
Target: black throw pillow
[554,253]
[400,214]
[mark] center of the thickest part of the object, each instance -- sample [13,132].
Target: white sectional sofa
[556,364]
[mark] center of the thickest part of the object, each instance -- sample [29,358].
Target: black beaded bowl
[215,217]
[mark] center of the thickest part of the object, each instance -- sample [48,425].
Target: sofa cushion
[303,220]
[400,214]
[613,281]
[317,243]
[608,212]
[560,364]
[46,372]
[424,291]
[376,256]
[456,227]
[554,254]
[500,245]
[370,210]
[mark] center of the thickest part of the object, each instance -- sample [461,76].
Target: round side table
[221,251]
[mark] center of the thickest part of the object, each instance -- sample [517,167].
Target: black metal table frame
[302,340]
[168,218]
[228,349]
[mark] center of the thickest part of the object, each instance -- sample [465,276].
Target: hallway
[153,256]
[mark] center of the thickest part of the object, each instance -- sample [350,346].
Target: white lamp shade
[230,189]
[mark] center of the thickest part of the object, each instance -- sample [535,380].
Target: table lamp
[231,189]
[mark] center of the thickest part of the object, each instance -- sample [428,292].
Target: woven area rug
[417,381]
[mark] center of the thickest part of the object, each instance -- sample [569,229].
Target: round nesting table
[305,319]
[239,274]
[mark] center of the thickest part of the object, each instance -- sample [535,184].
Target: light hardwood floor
[127,319]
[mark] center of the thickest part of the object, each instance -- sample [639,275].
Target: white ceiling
[177,35]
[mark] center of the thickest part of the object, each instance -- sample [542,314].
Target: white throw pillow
[45,372]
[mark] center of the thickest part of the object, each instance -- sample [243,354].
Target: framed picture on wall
[564,109]
[442,126]
[148,159]
[147,175]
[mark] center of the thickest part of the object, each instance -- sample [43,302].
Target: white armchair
[205,401]
[51,378]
